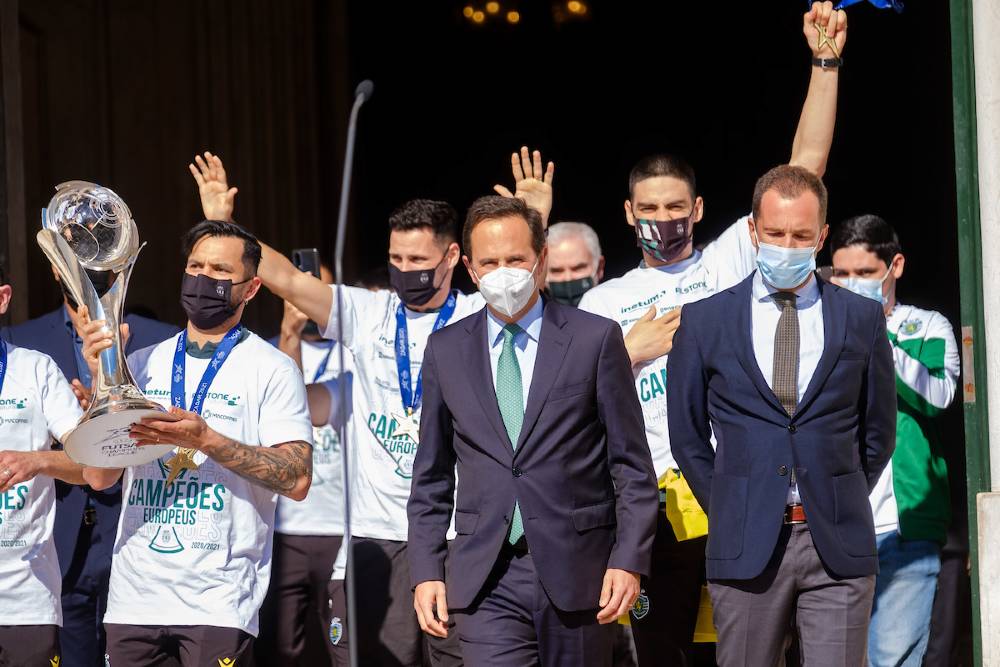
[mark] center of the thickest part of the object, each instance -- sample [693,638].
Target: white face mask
[869,287]
[508,289]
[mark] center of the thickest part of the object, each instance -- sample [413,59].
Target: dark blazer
[581,472]
[48,334]
[841,437]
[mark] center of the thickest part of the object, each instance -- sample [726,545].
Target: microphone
[361,94]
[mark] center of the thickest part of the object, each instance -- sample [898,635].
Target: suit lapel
[475,352]
[834,334]
[553,343]
[744,343]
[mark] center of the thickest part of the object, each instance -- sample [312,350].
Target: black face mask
[207,301]
[663,239]
[569,292]
[415,288]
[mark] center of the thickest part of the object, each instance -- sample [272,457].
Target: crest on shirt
[227,662]
[55,660]
[166,541]
[910,327]
[336,630]
[641,607]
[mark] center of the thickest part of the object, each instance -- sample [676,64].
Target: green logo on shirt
[166,541]
[653,386]
[402,449]
[910,327]
[13,403]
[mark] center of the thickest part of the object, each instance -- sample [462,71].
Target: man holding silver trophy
[224,429]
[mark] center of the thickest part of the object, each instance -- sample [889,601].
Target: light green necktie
[510,397]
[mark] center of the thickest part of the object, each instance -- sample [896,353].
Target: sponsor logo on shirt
[13,403]
[13,420]
[401,449]
[687,289]
[644,304]
[222,397]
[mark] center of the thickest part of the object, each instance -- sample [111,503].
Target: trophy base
[103,441]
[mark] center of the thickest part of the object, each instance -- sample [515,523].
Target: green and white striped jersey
[912,494]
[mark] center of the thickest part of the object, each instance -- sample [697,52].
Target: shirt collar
[676,267]
[531,323]
[807,294]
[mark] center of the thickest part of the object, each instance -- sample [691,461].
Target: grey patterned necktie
[785,382]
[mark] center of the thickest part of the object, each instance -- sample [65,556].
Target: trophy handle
[71,274]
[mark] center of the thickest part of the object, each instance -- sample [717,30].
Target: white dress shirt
[764,315]
[525,344]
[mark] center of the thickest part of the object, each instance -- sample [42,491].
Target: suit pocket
[727,510]
[853,514]
[465,522]
[570,390]
[594,516]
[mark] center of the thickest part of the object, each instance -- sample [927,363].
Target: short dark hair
[661,164]
[3,275]
[251,246]
[870,231]
[492,207]
[438,216]
[790,181]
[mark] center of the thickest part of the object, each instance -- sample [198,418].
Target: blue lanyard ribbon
[413,396]
[3,362]
[177,380]
[321,369]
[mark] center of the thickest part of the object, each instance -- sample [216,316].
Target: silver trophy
[89,235]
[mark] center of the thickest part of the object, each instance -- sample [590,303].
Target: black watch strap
[828,63]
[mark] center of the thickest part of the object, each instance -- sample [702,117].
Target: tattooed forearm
[284,469]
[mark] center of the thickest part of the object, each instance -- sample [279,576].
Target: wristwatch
[828,63]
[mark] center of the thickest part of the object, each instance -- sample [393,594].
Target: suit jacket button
[782,470]
[791,428]
[516,472]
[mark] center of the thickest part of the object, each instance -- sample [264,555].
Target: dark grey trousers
[755,618]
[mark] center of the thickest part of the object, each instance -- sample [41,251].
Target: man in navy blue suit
[86,520]
[794,378]
[556,507]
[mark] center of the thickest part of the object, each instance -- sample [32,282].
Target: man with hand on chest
[193,553]
[532,401]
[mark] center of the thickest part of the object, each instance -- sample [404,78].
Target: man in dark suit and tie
[556,507]
[86,520]
[794,377]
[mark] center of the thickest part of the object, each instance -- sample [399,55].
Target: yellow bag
[704,629]
[683,511]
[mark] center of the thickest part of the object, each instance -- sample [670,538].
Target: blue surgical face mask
[785,268]
[869,287]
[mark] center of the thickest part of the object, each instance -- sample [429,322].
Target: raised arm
[309,294]
[531,183]
[814,135]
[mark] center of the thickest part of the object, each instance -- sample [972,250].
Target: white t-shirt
[199,552]
[36,403]
[383,462]
[322,512]
[723,263]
